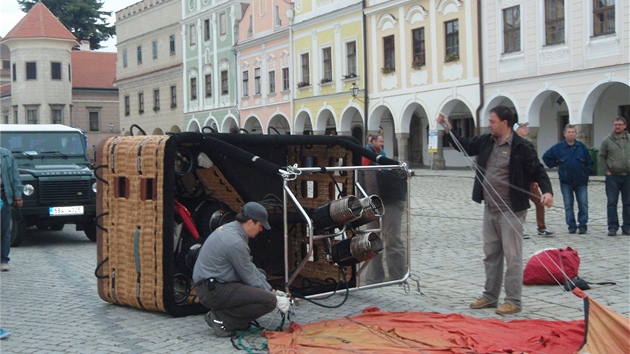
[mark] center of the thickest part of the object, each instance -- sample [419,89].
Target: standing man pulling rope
[506,168]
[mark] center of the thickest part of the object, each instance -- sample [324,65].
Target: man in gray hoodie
[614,160]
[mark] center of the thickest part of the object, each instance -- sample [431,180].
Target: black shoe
[582,231]
[545,232]
[572,230]
[626,232]
[612,232]
[217,325]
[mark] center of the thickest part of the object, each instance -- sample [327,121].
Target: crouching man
[225,278]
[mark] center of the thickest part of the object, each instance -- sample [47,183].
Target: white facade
[582,80]
[149,70]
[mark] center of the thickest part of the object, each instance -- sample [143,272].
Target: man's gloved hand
[280,293]
[283,302]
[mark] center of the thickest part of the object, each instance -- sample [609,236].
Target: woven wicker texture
[134,237]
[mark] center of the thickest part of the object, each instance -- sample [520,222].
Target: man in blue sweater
[575,164]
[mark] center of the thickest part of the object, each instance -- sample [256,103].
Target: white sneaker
[5,267]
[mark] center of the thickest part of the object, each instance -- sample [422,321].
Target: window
[208,81]
[15,114]
[155,49]
[156,100]
[285,79]
[222,24]
[389,53]
[193,88]
[56,115]
[225,88]
[32,115]
[55,71]
[171,44]
[94,122]
[278,18]
[31,70]
[141,102]
[511,29]
[245,83]
[327,64]
[206,29]
[272,81]
[124,57]
[139,54]
[6,64]
[306,80]
[351,58]
[554,21]
[192,35]
[127,106]
[257,81]
[419,49]
[603,17]
[69,73]
[452,40]
[173,96]
[14,72]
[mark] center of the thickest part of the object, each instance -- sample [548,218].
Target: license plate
[71,210]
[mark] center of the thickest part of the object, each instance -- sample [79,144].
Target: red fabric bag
[545,265]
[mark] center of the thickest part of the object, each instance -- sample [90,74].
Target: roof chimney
[85,45]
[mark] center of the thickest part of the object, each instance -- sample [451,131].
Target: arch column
[584,134]
[403,142]
[344,132]
[438,158]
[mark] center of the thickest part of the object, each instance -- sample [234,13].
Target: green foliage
[83,18]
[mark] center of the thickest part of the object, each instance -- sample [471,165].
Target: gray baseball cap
[256,212]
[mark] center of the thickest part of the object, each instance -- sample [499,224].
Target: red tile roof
[95,70]
[5,90]
[39,22]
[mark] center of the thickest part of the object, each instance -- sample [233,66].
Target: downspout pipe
[365,76]
[480,58]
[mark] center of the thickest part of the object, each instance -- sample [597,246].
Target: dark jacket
[524,166]
[574,162]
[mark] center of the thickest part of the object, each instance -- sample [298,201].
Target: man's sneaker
[545,232]
[5,267]
[483,303]
[626,232]
[217,325]
[582,231]
[612,232]
[507,309]
[572,230]
[525,236]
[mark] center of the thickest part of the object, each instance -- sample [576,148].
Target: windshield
[36,144]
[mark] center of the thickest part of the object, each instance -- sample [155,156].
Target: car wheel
[90,231]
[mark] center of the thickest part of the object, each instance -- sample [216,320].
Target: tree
[83,18]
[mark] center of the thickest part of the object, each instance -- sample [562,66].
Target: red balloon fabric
[410,332]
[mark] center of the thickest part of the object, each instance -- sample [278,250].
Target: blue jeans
[581,194]
[614,185]
[5,246]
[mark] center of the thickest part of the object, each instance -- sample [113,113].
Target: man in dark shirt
[506,168]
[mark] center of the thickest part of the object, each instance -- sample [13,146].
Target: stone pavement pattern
[49,300]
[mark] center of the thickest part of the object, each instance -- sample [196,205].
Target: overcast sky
[10,15]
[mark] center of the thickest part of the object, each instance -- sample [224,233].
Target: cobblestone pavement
[49,299]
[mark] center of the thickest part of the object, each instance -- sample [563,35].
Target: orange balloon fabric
[411,332]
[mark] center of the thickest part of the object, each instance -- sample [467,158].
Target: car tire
[90,231]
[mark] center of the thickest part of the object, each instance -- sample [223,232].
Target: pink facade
[264,68]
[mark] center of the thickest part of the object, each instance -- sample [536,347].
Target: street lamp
[354,90]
